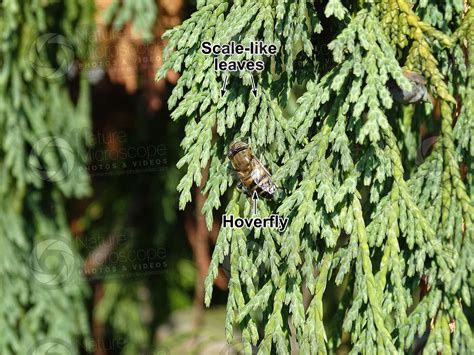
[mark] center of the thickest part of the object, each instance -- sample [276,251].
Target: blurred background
[88,70]
[145,261]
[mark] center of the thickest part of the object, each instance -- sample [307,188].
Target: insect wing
[414,76]
[262,177]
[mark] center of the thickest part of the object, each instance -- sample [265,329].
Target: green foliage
[364,214]
[125,308]
[141,13]
[40,164]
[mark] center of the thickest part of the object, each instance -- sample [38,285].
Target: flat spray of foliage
[366,213]
[39,166]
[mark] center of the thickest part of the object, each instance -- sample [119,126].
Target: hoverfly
[419,91]
[251,172]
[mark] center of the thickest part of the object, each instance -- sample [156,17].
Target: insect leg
[241,188]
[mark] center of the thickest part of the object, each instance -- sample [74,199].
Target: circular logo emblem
[52,262]
[162,351]
[52,158]
[43,63]
[50,347]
